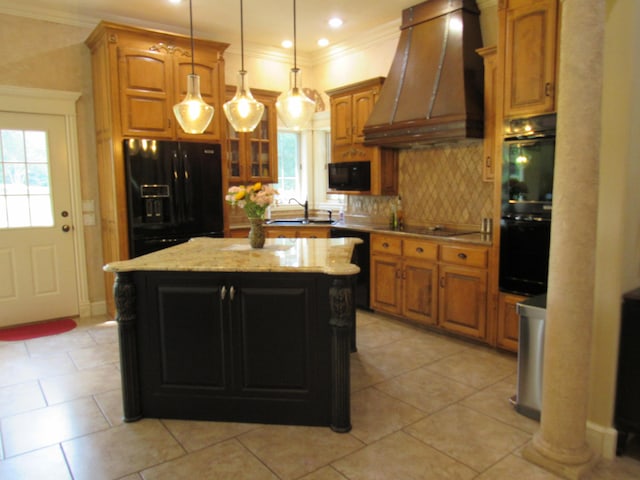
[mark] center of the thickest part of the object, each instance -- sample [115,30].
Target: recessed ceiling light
[287,44]
[323,42]
[175,2]
[335,22]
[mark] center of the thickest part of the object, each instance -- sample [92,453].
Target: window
[289,166]
[25,193]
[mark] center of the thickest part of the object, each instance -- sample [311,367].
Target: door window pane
[25,191]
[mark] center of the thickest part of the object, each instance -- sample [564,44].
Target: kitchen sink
[300,221]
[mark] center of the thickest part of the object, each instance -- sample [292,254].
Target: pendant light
[193,114]
[294,107]
[243,111]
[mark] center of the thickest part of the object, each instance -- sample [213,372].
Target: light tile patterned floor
[424,406]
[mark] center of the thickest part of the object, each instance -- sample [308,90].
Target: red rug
[35,330]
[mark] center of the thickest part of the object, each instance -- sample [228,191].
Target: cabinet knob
[385,245]
[547,89]
[232,293]
[223,293]
[487,162]
[463,256]
[420,250]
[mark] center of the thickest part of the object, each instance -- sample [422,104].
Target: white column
[560,444]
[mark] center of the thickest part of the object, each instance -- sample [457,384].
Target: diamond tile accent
[439,185]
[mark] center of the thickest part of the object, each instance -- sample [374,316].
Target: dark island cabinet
[250,347]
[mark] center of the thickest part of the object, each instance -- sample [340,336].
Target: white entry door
[37,258]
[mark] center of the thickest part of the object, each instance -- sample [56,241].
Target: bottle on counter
[393,220]
[341,215]
[399,213]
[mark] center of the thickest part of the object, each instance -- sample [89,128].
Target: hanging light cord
[193,51]
[295,63]
[241,38]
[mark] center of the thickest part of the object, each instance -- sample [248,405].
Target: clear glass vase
[256,232]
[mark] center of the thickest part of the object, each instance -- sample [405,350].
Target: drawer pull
[463,256]
[420,250]
[385,245]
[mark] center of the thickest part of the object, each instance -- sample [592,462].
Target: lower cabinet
[404,284]
[252,347]
[508,321]
[463,290]
[294,232]
[431,283]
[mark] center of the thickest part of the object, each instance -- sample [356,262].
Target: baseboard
[93,309]
[602,440]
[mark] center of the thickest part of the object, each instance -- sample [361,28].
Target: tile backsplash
[439,185]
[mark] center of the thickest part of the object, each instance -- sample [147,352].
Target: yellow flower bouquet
[254,199]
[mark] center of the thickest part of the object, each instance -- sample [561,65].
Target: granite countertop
[321,255]
[453,234]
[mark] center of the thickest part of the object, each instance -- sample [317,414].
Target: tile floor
[424,406]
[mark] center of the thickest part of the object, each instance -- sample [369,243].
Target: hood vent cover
[434,90]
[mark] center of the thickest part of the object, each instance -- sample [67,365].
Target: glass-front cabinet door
[253,156]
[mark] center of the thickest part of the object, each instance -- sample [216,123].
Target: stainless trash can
[532,312]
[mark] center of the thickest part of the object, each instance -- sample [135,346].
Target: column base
[573,471]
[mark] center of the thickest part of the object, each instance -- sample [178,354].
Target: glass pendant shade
[243,111]
[192,113]
[295,109]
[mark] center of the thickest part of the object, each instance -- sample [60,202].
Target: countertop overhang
[320,255]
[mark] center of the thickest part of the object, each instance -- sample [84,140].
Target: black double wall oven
[527,200]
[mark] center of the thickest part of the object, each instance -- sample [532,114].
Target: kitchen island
[215,330]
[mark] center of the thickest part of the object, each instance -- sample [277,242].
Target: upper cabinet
[253,156]
[529,30]
[351,106]
[490,76]
[146,75]
[153,79]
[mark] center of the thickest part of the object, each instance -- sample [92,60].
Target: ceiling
[266,22]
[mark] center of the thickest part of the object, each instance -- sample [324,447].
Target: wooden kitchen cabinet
[462,296]
[490,84]
[253,156]
[508,321]
[404,277]
[138,75]
[351,106]
[153,78]
[297,232]
[527,39]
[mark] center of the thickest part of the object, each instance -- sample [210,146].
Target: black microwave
[346,176]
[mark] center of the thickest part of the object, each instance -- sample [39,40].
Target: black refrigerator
[174,193]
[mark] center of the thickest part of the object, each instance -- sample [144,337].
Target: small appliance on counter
[174,193]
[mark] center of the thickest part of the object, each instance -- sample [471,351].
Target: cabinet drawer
[420,249]
[386,244]
[464,255]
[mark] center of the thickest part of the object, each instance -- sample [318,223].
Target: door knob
[64,214]
[66,228]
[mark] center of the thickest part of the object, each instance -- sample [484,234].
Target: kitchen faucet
[305,206]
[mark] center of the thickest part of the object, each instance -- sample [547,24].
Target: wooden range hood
[434,90]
